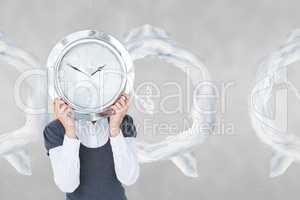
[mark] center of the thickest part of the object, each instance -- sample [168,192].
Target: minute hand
[98,70]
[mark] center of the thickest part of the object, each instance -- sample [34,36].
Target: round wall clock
[89,70]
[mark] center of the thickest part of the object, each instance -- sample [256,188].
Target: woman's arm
[66,165]
[125,159]
[63,147]
[124,149]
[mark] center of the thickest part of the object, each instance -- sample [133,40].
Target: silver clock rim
[57,84]
[62,47]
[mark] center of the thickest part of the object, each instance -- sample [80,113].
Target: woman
[91,160]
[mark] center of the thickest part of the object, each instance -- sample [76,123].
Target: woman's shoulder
[53,135]
[54,127]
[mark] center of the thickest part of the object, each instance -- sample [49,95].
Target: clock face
[91,75]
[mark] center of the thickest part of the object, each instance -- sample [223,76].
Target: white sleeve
[66,165]
[125,159]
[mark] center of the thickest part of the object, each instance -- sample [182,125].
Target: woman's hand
[120,109]
[65,114]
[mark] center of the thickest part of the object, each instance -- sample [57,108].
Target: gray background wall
[229,36]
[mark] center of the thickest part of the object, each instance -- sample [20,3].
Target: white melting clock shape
[271,76]
[13,145]
[148,41]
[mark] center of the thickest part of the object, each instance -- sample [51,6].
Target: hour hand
[98,70]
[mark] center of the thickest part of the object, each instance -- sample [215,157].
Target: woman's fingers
[55,104]
[119,105]
[114,109]
[58,103]
[122,101]
[126,95]
[128,99]
[109,111]
[61,108]
[69,112]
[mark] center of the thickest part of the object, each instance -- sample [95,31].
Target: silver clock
[89,70]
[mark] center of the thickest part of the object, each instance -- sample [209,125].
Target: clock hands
[98,70]
[89,75]
[75,68]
